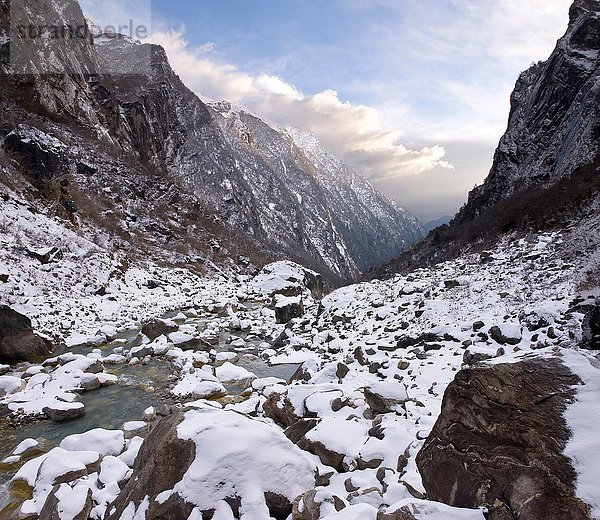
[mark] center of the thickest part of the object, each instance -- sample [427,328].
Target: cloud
[356,132]
[462,57]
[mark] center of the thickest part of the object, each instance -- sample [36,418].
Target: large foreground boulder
[207,459]
[18,342]
[498,443]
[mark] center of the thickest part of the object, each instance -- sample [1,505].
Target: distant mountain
[546,168]
[432,224]
[205,182]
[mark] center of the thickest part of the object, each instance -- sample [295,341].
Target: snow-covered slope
[128,104]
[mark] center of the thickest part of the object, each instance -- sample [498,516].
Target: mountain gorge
[236,177]
[171,346]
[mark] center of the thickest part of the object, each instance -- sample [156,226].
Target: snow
[238,456]
[11,385]
[106,442]
[25,445]
[584,445]
[230,373]
[113,469]
[340,435]
[363,327]
[278,276]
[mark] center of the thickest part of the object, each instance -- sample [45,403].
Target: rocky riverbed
[210,404]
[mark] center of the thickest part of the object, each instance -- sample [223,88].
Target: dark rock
[389,513]
[4,278]
[45,256]
[95,368]
[384,402]
[279,408]
[497,335]
[50,510]
[41,154]
[157,328]
[283,339]
[61,415]
[591,329]
[478,325]
[499,442]
[451,284]
[18,342]
[328,456]
[533,321]
[470,358]
[285,312]
[161,463]
[342,370]
[299,429]
[360,356]
[307,508]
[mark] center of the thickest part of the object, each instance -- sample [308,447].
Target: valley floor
[356,382]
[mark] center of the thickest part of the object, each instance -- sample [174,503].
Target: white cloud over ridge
[355,132]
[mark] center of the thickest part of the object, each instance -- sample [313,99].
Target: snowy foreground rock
[206,460]
[361,430]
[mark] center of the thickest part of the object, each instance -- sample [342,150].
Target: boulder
[61,412]
[288,279]
[77,500]
[499,441]
[186,341]
[11,385]
[506,334]
[287,308]
[313,504]
[158,327]
[42,154]
[18,342]
[185,458]
[591,329]
[385,397]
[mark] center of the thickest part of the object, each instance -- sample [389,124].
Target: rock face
[246,182]
[554,123]
[499,440]
[161,463]
[591,329]
[550,151]
[18,342]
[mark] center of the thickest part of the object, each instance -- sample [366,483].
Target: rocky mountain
[545,169]
[227,174]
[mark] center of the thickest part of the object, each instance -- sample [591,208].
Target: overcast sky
[413,93]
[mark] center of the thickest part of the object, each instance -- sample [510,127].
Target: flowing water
[139,386]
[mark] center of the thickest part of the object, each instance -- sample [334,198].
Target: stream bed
[138,387]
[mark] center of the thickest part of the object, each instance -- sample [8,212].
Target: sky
[412,93]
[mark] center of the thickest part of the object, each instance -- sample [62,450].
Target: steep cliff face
[554,123]
[121,102]
[546,169]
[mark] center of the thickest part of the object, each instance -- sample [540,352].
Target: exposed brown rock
[18,342]
[161,463]
[499,440]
